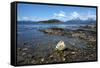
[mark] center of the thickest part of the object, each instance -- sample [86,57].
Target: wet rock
[64,59]
[33,61]
[23,53]
[73,52]
[78,34]
[29,56]
[25,49]
[51,56]
[54,31]
[61,45]
[42,59]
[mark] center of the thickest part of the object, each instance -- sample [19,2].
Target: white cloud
[75,14]
[60,14]
[25,18]
[90,15]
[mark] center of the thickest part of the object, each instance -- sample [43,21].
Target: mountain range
[56,21]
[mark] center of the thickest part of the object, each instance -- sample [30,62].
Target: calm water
[30,34]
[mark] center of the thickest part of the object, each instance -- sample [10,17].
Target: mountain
[27,22]
[51,21]
[56,21]
[79,21]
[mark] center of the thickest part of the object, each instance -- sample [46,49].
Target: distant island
[51,21]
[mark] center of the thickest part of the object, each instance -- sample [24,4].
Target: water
[30,34]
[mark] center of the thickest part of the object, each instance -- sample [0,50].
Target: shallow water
[41,43]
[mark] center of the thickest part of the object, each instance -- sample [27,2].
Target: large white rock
[61,45]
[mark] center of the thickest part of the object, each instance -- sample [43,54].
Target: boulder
[61,46]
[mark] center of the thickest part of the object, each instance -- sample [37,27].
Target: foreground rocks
[67,55]
[60,52]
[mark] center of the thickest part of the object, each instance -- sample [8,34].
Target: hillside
[55,21]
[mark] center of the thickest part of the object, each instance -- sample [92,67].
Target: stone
[23,54]
[61,45]
[33,61]
[42,59]
[63,59]
[51,56]
[25,49]
[73,52]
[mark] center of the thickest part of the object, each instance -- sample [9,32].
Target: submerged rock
[61,45]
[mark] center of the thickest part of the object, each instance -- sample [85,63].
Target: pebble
[51,56]
[73,52]
[42,59]
[33,61]
[23,54]
[25,49]
[64,59]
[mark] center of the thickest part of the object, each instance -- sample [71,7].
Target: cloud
[25,18]
[64,16]
[88,15]
[75,15]
[60,14]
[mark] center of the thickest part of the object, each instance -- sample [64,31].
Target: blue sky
[38,12]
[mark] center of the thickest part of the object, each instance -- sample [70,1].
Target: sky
[34,12]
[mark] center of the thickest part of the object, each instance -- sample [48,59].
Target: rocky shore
[67,55]
[88,34]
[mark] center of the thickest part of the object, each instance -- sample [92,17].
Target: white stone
[73,52]
[61,45]
[42,59]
